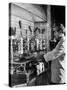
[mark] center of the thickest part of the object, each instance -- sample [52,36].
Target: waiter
[57,57]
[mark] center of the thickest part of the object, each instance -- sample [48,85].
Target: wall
[27,14]
[35,9]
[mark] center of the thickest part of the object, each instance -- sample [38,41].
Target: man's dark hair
[59,28]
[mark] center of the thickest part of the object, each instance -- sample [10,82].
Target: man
[57,57]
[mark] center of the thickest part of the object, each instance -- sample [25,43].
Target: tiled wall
[27,14]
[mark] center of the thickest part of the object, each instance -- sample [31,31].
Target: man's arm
[57,52]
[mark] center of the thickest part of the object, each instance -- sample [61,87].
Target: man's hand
[38,56]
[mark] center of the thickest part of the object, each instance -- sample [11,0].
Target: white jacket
[58,62]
